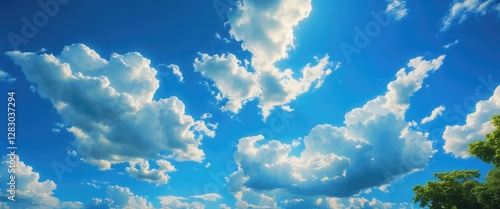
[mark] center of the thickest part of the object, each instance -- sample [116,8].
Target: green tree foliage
[488,193]
[454,190]
[460,189]
[489,150]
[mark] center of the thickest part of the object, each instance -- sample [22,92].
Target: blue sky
[250,104]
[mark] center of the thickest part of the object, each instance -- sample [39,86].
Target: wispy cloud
[460,10]
[5,77]
[438,111]
[396,9]
[451,44]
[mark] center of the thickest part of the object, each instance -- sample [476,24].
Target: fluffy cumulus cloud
[144,173]
[119,197]
[477,125]
[358,202]
[460,10]
[248,198]
[109,107]
[265,29]
[233,81]
[224,206]
[272,88]
[438,111]
[31,192]
[263,199]
[96,203]
[5,77]
[174,202]
[123,198]
[376,145]
[397,9]
[280,87]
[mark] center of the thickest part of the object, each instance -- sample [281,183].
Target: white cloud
[109,106]
[375,146]
[203,128]
[71,205]
[96,184]
[279,88]
[319,201]
[31,192]
[272,88]
[460,10]
[144,173]
[384,188]
[396,99]
[93,185]
[236,84]
[96,203]
[438,111]
[477,125]
[176,71]
[207,165]
[290,201]
[174,202]
[447,46]
[224,206]
[396,9]
[121,197]
[5,77]
[265,29]
[358,202]
[251,199]
[58,126]
[208,197]
[218,36]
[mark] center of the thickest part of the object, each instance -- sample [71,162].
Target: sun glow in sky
[242,104]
